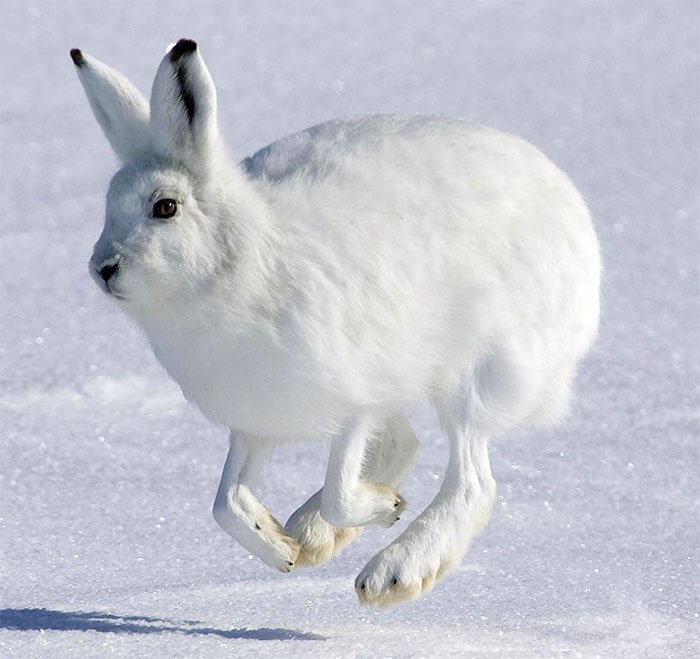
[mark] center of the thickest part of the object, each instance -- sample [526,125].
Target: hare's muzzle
[103,271]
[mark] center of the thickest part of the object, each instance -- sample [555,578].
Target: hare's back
[383,170]
[323,149]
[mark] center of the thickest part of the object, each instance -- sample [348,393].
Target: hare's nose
[108,268]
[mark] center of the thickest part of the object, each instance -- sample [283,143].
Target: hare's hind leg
[437,539]
[388,459]
[238,511]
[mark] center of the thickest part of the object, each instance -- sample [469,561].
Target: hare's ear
[119,108]
[183,107]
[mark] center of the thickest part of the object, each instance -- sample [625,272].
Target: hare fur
[329,280]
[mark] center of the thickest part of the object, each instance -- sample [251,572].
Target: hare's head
[168,220]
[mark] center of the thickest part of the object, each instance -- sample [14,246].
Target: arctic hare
[335,276]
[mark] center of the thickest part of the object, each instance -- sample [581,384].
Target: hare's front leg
[389,458]
[347,499]
[239,513]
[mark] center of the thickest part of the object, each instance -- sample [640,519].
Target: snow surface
[107,476]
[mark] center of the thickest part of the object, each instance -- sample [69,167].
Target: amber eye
[164,209]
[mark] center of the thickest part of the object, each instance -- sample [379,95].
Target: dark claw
[290,563]
[257,526]
[394,581]
[396,505]
[363,586]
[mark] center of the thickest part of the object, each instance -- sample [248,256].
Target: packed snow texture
[107,475]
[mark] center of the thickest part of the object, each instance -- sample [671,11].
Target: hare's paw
[402,572]
[368,503]
[274,545]
[388,505]
[254,527]
[319,541]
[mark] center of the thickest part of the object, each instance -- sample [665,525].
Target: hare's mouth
[109,288]
[111,292]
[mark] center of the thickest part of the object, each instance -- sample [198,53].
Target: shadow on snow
[46,619]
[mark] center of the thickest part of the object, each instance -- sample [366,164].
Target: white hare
[335,276]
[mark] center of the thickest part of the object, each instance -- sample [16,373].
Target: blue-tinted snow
[107,545]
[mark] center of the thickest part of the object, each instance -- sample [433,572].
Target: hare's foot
[253,526]
[433,544]
[408,567]
[319,541]
[366,503]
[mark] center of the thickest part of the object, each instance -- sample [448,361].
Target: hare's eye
[164,209]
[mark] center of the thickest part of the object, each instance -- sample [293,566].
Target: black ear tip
[77,57]
[182,48]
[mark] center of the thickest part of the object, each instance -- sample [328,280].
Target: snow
[107,476]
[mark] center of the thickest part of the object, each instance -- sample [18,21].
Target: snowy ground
[107,545]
